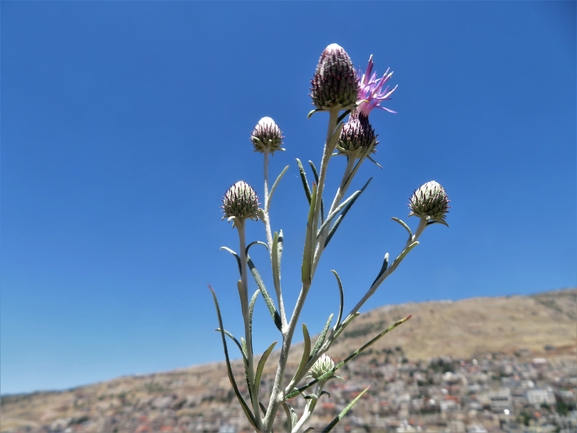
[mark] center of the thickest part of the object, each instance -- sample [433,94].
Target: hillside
[471,326]
[521,327]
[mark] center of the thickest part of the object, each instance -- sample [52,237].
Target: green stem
[240,225]
[410,244]
[277,394]
[327,153]
[266,221]
[345,182]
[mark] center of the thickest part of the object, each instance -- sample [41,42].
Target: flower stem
[266,221]
[277,394]
[240,225]
[345,182]
[408,247]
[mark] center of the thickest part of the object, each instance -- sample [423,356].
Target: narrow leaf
[306,354]
[242,294]
[262,408]
[309,240]
[341,298]
[274,185]
[251,309]
[383,268]
[277,247]
[267,299]
[235,256]
[243,404]
[260,366]
[304,180]
[256,243]
[291,416]
[321,339]
[233,338]
[337,223]
[310,114]
[371,342]
[437,222]
[374,162]
[405,226]
[341,415]
[339,208]
[342,116]
[316,175]
[345,323]
[315,172]
[246,369]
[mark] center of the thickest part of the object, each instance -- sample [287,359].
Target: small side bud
[430,202]
[240,201]
[322,366]
[335,83]
[266,136]
[358,138]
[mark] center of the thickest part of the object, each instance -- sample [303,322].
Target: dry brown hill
[471,326]
[542,324]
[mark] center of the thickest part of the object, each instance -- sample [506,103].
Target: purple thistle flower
[371,92]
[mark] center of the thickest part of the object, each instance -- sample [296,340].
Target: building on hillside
[537,397]
[500,400]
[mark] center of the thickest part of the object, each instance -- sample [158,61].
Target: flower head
[430,202]
[266,136]
[322,366]
[358,138]
[371,92]
[240,201]
[335,83]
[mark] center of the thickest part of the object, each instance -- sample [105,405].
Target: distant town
[516,372]
[496,392]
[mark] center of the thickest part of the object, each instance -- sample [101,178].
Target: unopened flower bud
[335,83]
[240,201]
[322,366]
[430,202]
[266,136]
[357,137]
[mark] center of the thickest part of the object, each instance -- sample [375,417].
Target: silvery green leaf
[321,338]
[301,370]
[267,299]
[255,243]
[341,298]
[277,247]
[260,367]
[309,241]
[340,416]
[405,226]
[316,175]
[383,268]
[243,404]
[275,184]
[337,223]
[304,180]
[235,256]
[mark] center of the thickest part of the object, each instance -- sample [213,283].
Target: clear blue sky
[123,123]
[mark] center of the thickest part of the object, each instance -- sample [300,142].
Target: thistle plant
[348,97]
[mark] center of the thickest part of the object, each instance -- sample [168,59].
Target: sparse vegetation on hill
[422,353]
